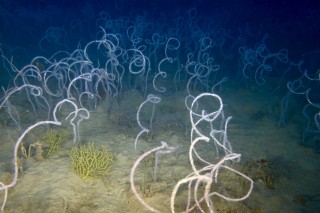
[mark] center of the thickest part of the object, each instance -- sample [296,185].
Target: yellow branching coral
[55,139]
[90,162]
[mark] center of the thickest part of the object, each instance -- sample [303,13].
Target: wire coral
[90,162]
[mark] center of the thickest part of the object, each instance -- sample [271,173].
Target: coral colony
[82,82]
[134,55]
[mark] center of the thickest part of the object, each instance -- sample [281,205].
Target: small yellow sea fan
[90,162]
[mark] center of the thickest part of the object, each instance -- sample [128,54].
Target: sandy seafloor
[52,186]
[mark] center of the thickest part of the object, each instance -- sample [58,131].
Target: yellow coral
[55,139]
[90,162]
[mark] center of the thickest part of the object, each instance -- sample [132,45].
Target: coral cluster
[90,162]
